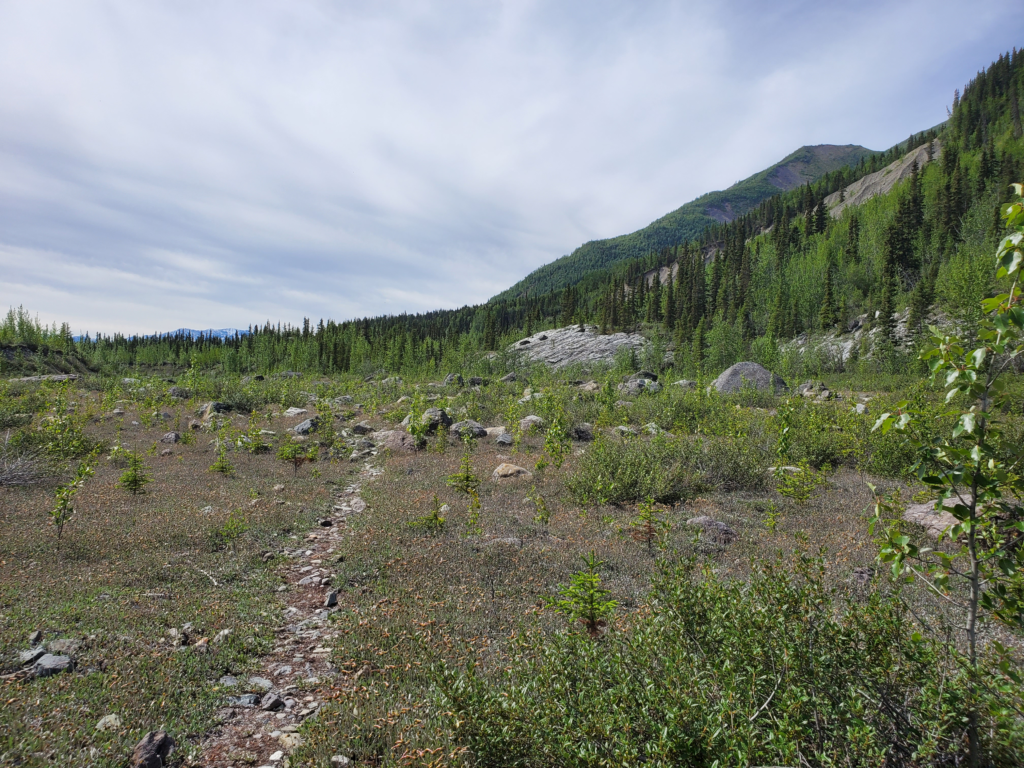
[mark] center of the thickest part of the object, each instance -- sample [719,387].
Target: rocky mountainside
[690,220]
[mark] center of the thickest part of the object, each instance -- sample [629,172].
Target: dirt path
[259,726]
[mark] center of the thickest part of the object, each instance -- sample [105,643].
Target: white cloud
[213,164]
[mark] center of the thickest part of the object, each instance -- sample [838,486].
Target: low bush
[781,670]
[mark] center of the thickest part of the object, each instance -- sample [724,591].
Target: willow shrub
[780,670]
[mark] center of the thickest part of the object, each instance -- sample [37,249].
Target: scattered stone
[861,409]
[400,441]
[48,664]
[326,522]
[530,423]
[933,521]
[391,381]
[303,428]
[166,452]
[228,681]
[194,424]
[181,393]
[212,409]
[363,428]
[624,429]
[453,379]
[435,418]
[623,404]
[582,433]
[108,723]
[293,412]
[863,576]
[154,751]
[117,412]
[35,638]
[221,636]
[505,438]
[476,381]
[277,756]
[635,387]
[496,431]
[170,437]
[749,375]
[684,384]
[340,761]
[31,656]
[717,531]
[271,703]
[510,470]
[261,682]
[65,645]
[469,427]
[290,741]
[245,700]
[332,599]
[509,378]
[278,488]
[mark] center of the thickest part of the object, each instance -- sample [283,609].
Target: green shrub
[619,471]
[782,670]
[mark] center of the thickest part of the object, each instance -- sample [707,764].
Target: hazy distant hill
[688,221]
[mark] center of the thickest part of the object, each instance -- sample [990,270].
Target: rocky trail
[263,712]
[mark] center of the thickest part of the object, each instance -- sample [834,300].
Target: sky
[187,163]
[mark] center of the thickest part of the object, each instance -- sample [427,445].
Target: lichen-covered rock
[564,346]
[505,471]
[469,427]
[749,375]
[531,423]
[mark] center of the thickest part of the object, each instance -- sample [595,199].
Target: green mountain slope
[687,222]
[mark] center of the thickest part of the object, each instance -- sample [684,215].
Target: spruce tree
[820,217]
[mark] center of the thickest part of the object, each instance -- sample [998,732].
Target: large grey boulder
[634,387]
[575,344]
[749,375]
[453,379]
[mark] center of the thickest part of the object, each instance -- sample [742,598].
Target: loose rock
[749,375]
[49,664]
[469,427]
[153,751]
[108,723]
[271,703]
[170,437]
[510,470]
[530,423]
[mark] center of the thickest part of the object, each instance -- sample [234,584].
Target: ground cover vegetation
[683,577]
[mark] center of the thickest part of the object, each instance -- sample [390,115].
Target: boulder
[32,655]
[624,430]
[582,433]
[181,393]
[292,412]
[508,378]
[48,664]
[391,381]
[271,703]
[108,723]
[684,384]
[575,344]
[642,375]
[363,428]
[934,521]
[505,438]
[751,375]
[634,387]
[247,700]
[469,427]
[717,531]
[154,751]
[211,409]
[305,427]
[66,645]
[496,431]
[505,471]
[435,418]
[453,379]
[476,381]
[170,437]
[531,423]
[399,441]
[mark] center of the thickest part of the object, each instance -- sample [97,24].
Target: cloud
[214,164]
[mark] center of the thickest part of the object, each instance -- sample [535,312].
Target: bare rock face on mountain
[741,375]
[563,346]
[880,182]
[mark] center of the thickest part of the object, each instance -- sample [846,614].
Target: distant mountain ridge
[687,222]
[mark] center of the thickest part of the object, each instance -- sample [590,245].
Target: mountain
[688,221]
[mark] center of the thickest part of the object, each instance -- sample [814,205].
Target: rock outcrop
[564,346]
[880,182]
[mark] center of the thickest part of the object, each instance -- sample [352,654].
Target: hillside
[690,220]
